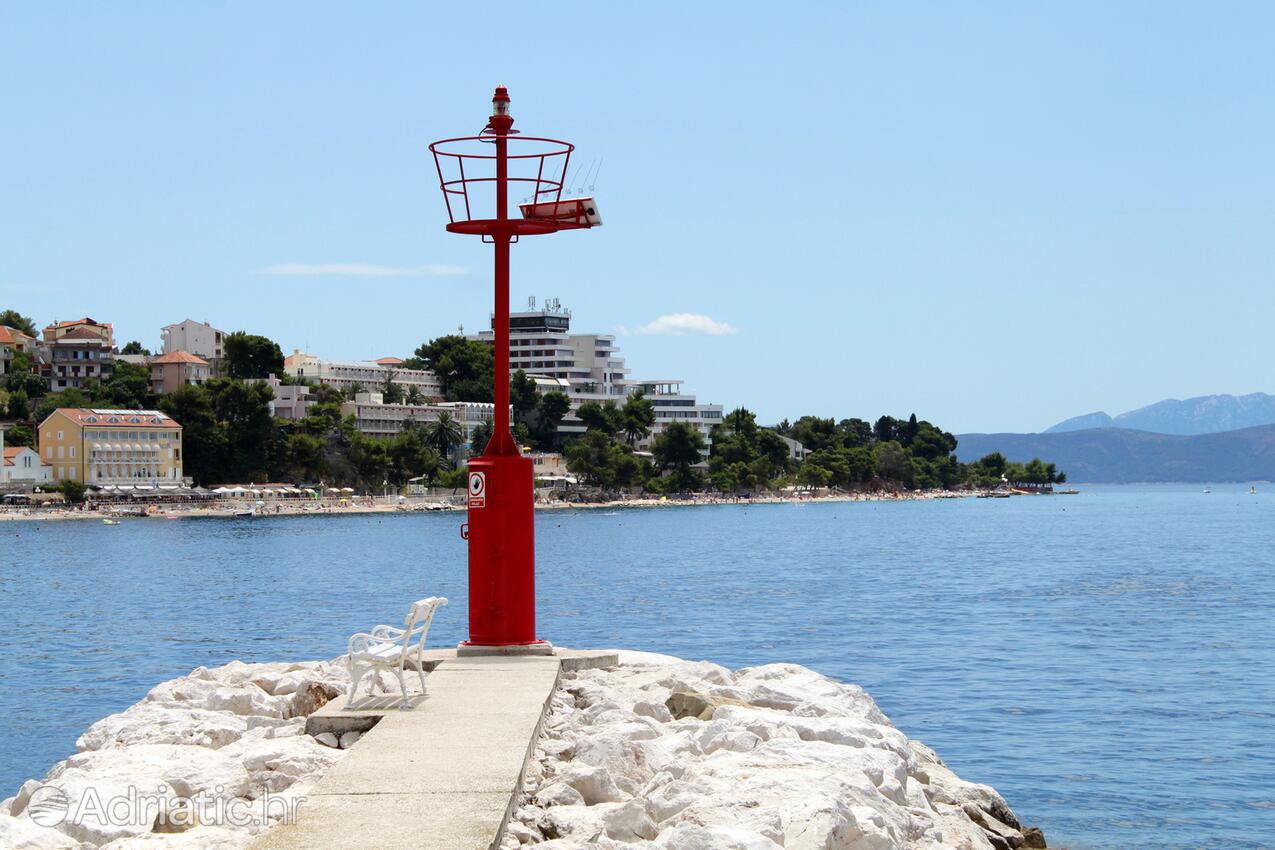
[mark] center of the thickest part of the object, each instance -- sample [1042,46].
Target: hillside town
[60,428]
[215,416]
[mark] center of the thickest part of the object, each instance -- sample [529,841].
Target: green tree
[17,321]
[893,462]
[18,405]
[228,434]
[677,450]
[552,408]
[134,347]
[854,432]
[19,435]
[522,395]
[464,367]
[21,375]
[638,417]
[414,395]
[73,490]
[481,437]
[129,388]
[603,462]
[69,397]
[886,429]
[815,433]
[411,456]
[252,356]
[606,418]
[444,435]
[391,393]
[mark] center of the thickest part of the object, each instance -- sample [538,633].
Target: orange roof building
[171,372]
[102,446]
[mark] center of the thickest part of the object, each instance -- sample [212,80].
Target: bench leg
[402,687]
[356,676]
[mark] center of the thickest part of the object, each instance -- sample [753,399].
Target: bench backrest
[418,621]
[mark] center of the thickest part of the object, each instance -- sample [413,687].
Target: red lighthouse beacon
[475,173]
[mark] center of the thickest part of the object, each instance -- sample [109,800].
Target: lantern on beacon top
[475,174]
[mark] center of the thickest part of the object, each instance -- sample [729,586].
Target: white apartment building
[198,338]
[366,375]
[22,465]
[588,367]
[375,418]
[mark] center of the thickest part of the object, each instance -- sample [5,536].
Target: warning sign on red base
[478,489]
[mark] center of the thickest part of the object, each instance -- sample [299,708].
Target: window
[72,451]
[61,452]
[59,435]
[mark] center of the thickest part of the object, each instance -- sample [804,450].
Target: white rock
[19,803]
[199,838]
[579,823]
[522,833]
[328,739]
[208,694]
[349,739]
[655,710]
[558,794]
[788,758]
[155,723]
[276,763]
[693,837]
[22,834]
[594,784]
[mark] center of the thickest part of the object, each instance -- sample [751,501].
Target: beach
[390,505]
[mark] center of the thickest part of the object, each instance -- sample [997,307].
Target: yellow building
[112,446]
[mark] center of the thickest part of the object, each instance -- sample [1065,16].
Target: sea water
[1105,660]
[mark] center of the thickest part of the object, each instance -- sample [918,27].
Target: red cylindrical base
[502,551]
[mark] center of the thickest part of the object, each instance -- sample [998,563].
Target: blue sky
[994,215]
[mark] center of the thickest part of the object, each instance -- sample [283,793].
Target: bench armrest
[362,640]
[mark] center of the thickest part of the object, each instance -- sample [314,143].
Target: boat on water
[248,513]
[1207,490]
[1252,490]
[1067,492]
[107,521]
[994,495]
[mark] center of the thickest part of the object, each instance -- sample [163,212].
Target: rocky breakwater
[662,753]
[204,762]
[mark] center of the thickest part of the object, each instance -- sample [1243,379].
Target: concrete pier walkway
[444,775]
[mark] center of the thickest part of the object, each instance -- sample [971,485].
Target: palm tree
[444,434]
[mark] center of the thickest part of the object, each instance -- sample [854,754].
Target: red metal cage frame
[545,186]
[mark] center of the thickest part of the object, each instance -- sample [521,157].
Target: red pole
[502,441]
[502,550]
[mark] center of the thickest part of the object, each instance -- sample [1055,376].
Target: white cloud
[683,324]
[359,270]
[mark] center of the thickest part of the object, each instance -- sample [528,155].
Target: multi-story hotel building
[198,338]
[375,418]
[364,375]
[73,353]
[104,446]
[590,368]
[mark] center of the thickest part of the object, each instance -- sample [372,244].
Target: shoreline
[234,510]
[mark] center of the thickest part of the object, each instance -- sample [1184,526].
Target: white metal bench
[390,648]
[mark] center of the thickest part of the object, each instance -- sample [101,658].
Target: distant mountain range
[1121,455]
[1207,414]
